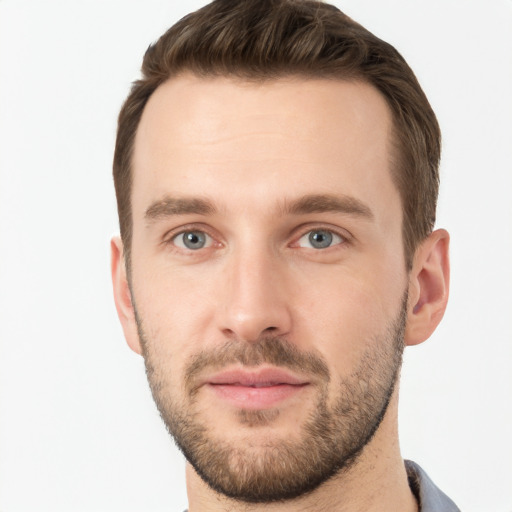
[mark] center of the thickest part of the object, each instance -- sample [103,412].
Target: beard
[332,437]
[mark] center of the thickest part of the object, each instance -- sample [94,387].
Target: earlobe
[428,287]
[122,295]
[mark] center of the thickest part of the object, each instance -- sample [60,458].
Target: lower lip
[247,397]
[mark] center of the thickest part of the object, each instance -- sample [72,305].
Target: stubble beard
[332,436]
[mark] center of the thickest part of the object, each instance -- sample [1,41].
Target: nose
[253,297]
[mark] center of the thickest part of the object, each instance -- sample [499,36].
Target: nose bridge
[254,298]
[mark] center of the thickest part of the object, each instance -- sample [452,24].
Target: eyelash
[170,237]
[332,241]
[345,237]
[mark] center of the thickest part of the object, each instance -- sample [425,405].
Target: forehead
[211,136]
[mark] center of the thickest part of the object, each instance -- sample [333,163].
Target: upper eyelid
[305,229]
[169,241]
[344,240]
[174,232]
[333,232]
[177,244]
[296,233]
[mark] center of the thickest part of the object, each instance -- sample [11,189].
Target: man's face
[268,275]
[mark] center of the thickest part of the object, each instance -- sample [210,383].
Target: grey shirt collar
[429,496]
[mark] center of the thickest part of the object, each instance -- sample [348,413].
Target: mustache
[275,351]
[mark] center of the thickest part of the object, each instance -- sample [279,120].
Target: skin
[252,150]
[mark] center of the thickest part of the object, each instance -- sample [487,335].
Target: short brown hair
[269,39]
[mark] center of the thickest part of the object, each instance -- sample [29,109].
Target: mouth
[255,389]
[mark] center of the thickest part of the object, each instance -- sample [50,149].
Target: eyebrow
[170,206]
[320,203]
[312,203]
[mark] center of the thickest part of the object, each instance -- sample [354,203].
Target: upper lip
[255,377]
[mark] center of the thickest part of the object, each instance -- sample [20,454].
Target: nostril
[228,333]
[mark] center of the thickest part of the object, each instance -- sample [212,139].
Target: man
[276,172]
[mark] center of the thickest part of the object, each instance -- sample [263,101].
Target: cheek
[175,310]
[346,311]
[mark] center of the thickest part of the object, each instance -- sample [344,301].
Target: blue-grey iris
[320,239]
[194,240]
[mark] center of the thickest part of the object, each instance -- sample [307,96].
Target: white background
[78,428]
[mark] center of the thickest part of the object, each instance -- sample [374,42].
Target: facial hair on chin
[332,435]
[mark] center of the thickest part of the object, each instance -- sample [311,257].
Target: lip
[255,389]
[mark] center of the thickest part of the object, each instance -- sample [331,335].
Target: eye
[192,240]
[320,239]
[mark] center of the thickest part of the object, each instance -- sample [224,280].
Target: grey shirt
[430,498]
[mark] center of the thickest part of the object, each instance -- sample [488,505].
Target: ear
[429,282]
[123,296]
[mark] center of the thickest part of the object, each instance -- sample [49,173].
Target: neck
[376,482]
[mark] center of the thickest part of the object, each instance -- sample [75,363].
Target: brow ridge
[311,203]
[170,206]
[319,203]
